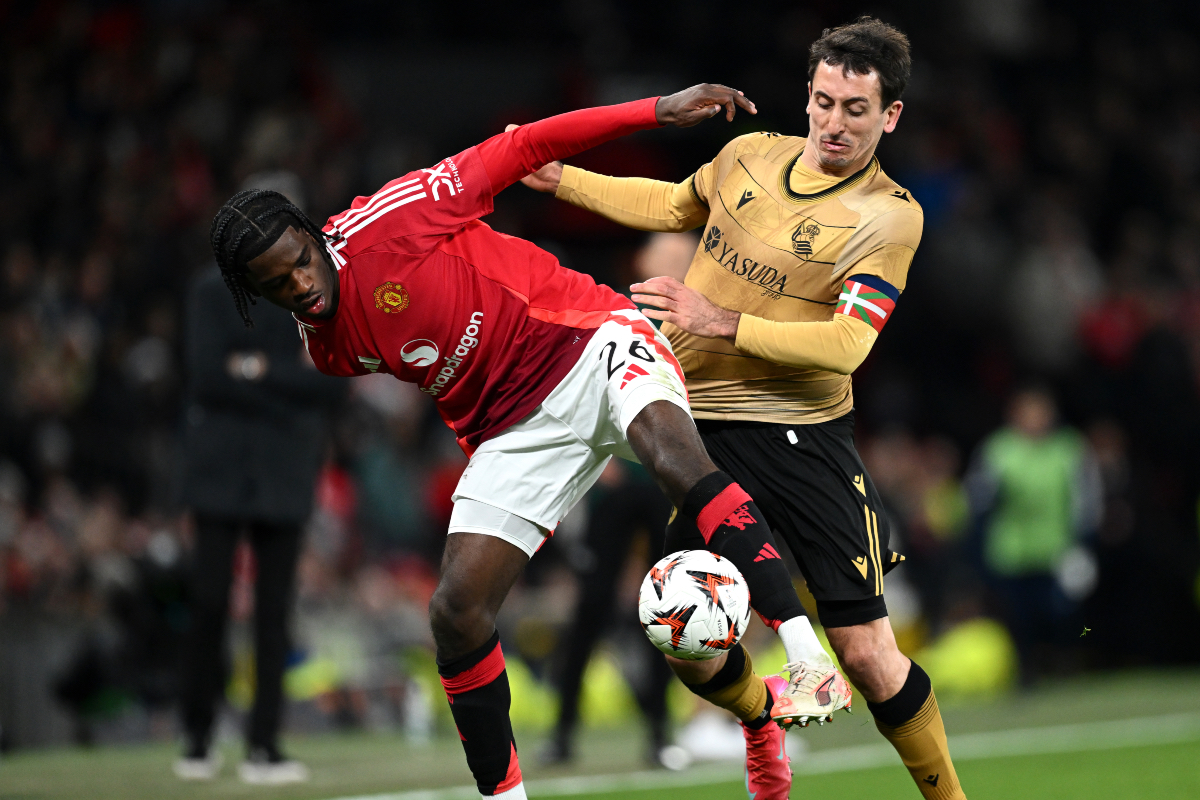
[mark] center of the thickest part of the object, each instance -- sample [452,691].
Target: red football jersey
[488,324]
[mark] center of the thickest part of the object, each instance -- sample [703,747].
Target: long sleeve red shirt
[487,324]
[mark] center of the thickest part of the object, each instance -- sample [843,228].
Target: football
[694,605]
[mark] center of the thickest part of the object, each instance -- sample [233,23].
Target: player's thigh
[530,476]
[822,504]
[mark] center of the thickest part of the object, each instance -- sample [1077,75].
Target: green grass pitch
[1060,742]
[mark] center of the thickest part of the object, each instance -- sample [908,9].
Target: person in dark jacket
[256,419]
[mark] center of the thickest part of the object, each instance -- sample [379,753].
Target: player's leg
[791,483]
[726,521]
[606,544]
[276,551]
[477,573]
[901,699]
[201,668]
[840,538]
[729,523]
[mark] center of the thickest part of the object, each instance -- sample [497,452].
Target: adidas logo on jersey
[767,553]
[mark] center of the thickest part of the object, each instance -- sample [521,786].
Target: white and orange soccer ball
[694,605]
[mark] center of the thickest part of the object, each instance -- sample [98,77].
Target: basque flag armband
[868,297]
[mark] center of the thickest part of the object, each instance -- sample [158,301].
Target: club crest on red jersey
[391,297]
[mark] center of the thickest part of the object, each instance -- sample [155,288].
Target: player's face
[846,118]
[294,274]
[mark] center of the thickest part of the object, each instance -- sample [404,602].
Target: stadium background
[1055,147]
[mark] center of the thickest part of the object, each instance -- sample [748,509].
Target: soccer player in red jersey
[542,375]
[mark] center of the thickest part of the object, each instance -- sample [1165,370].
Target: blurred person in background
[624,509]
[927,505]
[256,418]
[1037,492]
[623,504]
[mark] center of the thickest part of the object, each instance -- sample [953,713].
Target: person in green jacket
[1036,490]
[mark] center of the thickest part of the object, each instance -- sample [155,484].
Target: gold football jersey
[779,243]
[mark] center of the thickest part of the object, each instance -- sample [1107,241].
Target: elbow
[675,225]
[849,362]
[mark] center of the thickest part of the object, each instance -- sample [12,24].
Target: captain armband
[868,297]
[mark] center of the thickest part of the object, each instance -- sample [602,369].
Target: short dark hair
[864,46]
[247,226]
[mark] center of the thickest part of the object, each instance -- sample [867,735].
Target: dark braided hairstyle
[245,228]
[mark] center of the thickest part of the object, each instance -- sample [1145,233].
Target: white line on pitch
[1076,737]
[582,784]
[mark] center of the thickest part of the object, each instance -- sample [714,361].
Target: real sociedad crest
[802,239]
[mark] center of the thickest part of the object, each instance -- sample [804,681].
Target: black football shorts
[811,485]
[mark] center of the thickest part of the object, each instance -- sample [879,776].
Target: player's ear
[892,114]
[808,105]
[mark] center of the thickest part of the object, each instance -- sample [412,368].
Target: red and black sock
[733,527]
[477,687]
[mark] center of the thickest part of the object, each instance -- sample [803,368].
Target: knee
[858,658]
[459,625]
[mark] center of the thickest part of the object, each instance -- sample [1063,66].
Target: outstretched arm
[518,151]
[639,203]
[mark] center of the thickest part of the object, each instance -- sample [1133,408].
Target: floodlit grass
[364,764]
[1170,772]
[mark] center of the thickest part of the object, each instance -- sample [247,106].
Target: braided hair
[247,226]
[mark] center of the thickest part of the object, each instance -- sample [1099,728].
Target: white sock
[515,793]
[801,642]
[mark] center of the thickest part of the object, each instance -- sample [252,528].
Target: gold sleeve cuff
[633,202]
[839,345]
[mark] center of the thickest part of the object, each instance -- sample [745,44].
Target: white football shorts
[520,484]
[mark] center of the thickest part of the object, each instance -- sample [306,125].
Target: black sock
[477,687]
[733,527]
[904,705]
[735,665]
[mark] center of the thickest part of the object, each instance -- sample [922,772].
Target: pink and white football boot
[813,693]
[768,776]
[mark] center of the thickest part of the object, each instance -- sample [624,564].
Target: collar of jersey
[785,182]
[308,322]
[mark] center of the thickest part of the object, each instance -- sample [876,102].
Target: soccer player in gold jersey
[804,253]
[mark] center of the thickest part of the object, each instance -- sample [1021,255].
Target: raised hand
[686,308]
[692,106]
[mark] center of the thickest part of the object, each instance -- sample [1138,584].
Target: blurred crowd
[1030,415]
